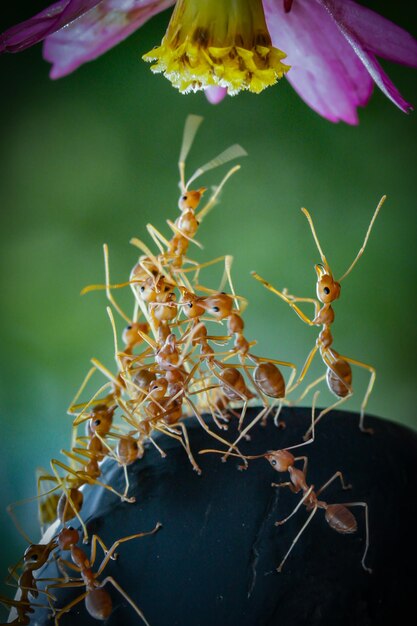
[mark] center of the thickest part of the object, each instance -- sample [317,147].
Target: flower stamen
[223,43]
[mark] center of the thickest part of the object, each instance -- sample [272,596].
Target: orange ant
[338,516]
[150,268]
[97,599]
[339,373]
[266,377]
[35,557]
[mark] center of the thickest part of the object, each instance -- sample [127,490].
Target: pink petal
[96,31]
[215,94]
[368,59]
[42,24]
[377,34]
[325,70]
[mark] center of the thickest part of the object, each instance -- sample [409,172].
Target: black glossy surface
[214,560]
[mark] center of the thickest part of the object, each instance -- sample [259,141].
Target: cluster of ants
[173,364]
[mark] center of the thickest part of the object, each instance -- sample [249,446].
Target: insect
[338,516]
[339,372]
[35,557]
[97,599]
[187,224]
[266,378]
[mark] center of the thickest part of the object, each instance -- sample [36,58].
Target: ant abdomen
[235,387]
[339,378]
[270,380]
[98,603]
[341,519]
[67,510]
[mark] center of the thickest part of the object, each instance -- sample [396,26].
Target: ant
[35,557]
[97,599]
[266,377]
[339,372]
[338,516]
[172,252]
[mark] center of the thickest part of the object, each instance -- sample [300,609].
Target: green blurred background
[92,158]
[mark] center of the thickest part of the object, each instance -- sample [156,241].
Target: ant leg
[312,301]
[199,266]
[143,248]
[368,391]
[299,505]
[108,287]
[282,295]
[309,388]
[108,374]
[69,606]
[161,452]
[305,463]
[116,544]
[187,447]
[305,369]
[333,478]
[207,429]
[80,390]
[10,507]
[94,540]
[296,538]
[158,238]
[127,484]
[110,579]
[364,504]
[55,462]
[244,431]
[91,481]
[277,422]
[83,415]
[339,402]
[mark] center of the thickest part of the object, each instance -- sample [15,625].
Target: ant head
[68,537]
[101,419]
[190,304]
[191,199]
[220,305]
[130,336]
[280,460]
[36,555]
[328,289]
[157,388]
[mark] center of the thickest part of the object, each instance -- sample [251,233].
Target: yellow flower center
[218,42]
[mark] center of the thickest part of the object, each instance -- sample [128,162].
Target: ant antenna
[316,239]
[233,152]
[365,241]
[213,200]
[192,124]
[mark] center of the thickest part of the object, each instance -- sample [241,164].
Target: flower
[330,45]
[224,44]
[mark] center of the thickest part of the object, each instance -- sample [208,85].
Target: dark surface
[214,561]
